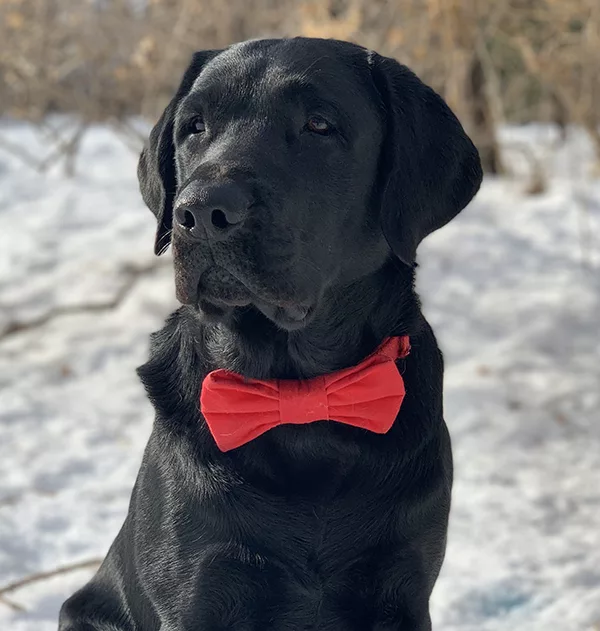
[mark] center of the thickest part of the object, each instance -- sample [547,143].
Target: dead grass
[493,61]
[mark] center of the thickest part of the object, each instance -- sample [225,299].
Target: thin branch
[131,137]
[134,274]
[41,576]
[537,175]
[585,230]
[23,155]
[13,605]
[492,80]
[63,147]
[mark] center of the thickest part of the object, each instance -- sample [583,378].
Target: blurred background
[507,60]
[512,286]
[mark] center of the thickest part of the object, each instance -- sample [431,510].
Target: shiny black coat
[315,527]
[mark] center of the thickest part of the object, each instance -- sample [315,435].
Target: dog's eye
[196,125]
[318,125]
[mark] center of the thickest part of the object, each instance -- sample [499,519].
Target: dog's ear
[156,168]
[430,168]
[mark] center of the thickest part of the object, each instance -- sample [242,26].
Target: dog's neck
[351,322]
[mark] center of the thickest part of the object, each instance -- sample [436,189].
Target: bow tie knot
[368,395]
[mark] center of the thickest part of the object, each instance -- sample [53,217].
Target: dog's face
[276,153]
[285,167]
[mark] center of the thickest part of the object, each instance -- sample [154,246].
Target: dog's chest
[322,573]
[318,564]
[247,557]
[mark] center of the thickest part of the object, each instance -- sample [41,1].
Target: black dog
[295,180]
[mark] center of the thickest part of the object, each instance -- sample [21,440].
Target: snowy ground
[512,287]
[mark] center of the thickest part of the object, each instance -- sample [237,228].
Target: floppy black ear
[156,167]
[431,168]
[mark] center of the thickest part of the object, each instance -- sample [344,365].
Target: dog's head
[282,168]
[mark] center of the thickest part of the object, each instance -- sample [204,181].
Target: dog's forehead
[270,67]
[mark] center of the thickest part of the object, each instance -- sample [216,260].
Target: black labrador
[294,179]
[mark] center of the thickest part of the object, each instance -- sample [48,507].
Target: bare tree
[493,61]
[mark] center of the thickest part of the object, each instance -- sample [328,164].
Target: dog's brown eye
[318,125]
[197,126]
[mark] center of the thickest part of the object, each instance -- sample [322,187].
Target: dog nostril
[188,220]
[219,219]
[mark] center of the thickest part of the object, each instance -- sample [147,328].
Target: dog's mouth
[218,292]
[290,317]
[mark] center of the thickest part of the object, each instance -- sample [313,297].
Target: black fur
[313,527]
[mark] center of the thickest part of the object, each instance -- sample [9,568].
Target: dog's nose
[216,210]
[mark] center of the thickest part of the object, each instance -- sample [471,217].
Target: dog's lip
[241,301]
[285,312]
[289,308]
[289,316]
[294,313]
[288,313]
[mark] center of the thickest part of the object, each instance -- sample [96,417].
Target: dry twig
[133,273]
[40,576]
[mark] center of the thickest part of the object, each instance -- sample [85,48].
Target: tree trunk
[482,123]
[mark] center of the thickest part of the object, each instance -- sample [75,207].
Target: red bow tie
[368,395]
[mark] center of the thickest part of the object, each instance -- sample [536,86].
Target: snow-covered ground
[512,288]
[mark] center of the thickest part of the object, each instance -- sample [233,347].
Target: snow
[512,288]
